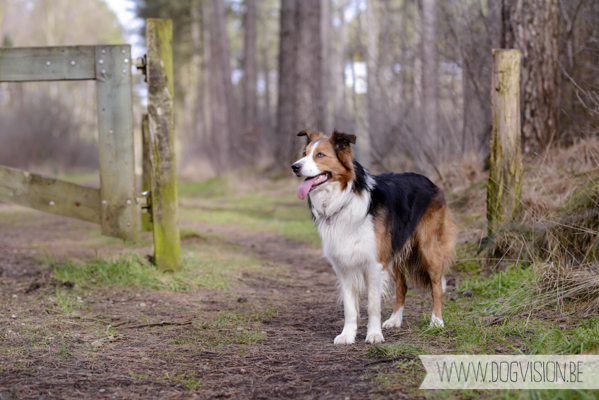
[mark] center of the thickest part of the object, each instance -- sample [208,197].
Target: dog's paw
[394,320]
[392,323]
[375,337]
[345,338]
[436,322]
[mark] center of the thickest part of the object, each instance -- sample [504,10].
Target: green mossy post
[146,175]
[167,245]
[505,158]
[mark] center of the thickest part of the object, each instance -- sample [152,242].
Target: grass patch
[187,379]
[264,206]
[291,221]
[550,395]
[64,301]
[480,332]
[217,186]
[210,265]
[217,266]
[227,328]
[236,327]
[131,270]
[395,350]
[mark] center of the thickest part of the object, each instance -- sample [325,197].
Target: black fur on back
[405,197]
[360,182]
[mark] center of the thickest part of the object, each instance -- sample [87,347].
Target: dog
[374,229]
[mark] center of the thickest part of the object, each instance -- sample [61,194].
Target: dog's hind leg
[401,289]
[375,291]
[435,238]
[437,317]
[433,262]
[351,299]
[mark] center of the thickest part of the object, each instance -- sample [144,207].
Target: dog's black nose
[296,168]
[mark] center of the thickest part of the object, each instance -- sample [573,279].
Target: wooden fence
[113,205]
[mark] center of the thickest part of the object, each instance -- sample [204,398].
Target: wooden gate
[113,204]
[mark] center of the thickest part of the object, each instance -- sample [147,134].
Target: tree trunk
[341,120]
[266,111]
[326,57]
[223,107]
[533,26]
[417,76]
[207,86]
[286,110]
[310,113]
[2,11]
[250,75]
[505,158]
[197,79]
[429,76]
[372,131]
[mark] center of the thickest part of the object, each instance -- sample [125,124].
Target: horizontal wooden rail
[49,195]
[47,63]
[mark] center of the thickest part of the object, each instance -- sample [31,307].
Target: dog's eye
[304,154]
[319,155]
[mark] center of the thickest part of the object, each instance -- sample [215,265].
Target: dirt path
[296,360]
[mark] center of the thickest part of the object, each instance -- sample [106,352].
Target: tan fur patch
[426,256]
[383,238]
[436,237]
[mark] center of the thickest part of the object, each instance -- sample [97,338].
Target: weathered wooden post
[159,70]
[505,158]
[115,139]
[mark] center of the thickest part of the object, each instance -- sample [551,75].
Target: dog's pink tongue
[304,188]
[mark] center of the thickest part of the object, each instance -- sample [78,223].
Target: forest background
[411,78]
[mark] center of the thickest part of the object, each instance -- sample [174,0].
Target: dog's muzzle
[296,169]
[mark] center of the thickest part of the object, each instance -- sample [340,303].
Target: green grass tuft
[130,271]
[227,328]
[213,265]
[550,395]
[394,350]
[187,379]
[217,186]
[219,201]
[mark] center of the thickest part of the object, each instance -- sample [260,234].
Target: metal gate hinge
[141,64]
[145,202]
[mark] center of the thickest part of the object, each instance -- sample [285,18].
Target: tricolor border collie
[374,228]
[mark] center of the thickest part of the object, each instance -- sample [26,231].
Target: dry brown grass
[557,232]
[551,179]
[556,286]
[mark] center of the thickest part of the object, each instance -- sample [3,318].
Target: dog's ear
[342,140]
[311,135]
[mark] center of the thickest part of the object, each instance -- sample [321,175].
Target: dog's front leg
[350,307]
[375,289]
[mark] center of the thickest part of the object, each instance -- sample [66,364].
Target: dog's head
[324,159]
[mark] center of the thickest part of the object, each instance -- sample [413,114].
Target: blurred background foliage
[51,126]
[410,77]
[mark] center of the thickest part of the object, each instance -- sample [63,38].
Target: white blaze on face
[309,167]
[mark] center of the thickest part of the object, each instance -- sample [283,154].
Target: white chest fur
[349,242]
[346,228]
